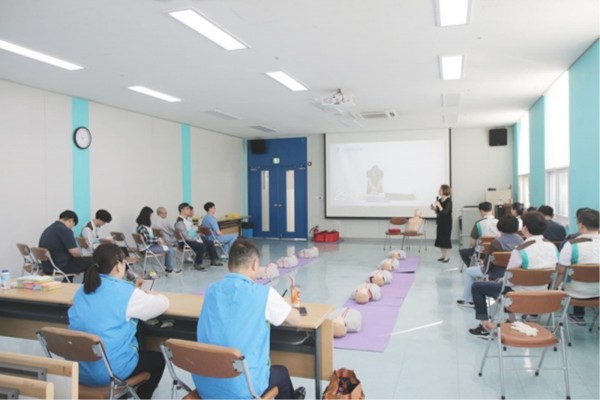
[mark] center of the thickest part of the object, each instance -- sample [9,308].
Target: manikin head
[339,327]
[362,295]
[387,264]
[378,279]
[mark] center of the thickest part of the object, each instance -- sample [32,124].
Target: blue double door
[277,189]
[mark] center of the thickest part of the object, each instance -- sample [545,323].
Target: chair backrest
[138,239]
[70,344]
[40,254]
[500,258]
[529,277]
[157,232]
[487,239]
[24,250]
[588,273]
[83,243]
[204,359]
[536,302]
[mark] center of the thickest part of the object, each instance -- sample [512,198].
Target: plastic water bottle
[5,279]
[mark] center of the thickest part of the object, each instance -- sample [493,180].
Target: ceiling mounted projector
[338,99]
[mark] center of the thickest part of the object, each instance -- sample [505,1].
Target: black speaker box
[498,137]
[258,146]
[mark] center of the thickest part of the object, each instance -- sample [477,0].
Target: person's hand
[432,207]
[160,241]
[138,282]
[438,205]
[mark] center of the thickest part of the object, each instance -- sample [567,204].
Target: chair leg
[564,361]
[595,319]
[500,362]
[487,350]
[568,332]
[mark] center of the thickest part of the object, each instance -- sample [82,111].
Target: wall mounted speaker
[258,146]
[498,137]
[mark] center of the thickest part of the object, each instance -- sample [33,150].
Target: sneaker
[224,256]
[300,393]
[152,275]
[463,303]
[479,332]
[175,271]
[199,267]
[216,264]
[577,319]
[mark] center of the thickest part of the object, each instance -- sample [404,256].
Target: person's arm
[279,311]
[445,207]
[515,261]
[145,232]
[69,243]
[89,236]
[180,226]
[474,235]
[145,306]
[212,223]
[564,261]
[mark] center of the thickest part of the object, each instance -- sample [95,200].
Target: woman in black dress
[443,210]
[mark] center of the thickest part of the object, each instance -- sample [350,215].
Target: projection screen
[385,174]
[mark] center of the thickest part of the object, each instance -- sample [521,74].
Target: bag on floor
[344,385]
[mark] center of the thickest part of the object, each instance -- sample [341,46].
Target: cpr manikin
[389,264]
[345,320]
[366,292]
[380,277]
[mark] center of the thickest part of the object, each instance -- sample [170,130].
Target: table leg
[318,363]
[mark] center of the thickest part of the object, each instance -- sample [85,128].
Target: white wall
[475,167]
[135,160]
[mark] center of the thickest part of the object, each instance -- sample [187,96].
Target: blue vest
[233,315]
[103,313]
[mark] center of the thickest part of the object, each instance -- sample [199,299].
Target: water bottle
[5,279]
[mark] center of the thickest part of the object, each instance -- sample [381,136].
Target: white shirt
[588,253]
[277,309]
[145,306]
[534,253]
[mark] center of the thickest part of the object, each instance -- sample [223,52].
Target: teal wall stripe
[537,165]
[186,164]
[516,131]
[81,163]
[584,124]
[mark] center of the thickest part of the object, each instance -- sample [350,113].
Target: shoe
[462,303]
[577,319]
[216,264]
[224,256]
[441,259]
[300,393]
[479,332]
[446,260]
[199,267]
[175,271]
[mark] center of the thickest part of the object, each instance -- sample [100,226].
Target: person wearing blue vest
[535,253]
[109,307]
[237,312]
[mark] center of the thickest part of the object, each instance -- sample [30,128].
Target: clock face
[82,137]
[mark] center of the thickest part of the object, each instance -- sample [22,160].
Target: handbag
[344,385]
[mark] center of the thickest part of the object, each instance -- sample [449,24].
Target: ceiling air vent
[375,114]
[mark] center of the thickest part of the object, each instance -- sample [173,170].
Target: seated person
[154,244]
[517,210]
[574,234]
[189,232]
[581,250]
[58,238]
[507,241]
[236,313]
[554,232]
[90,231]
[534,253]
[166,229]
[415,223]
[109,307]
[486,226]
[209,221]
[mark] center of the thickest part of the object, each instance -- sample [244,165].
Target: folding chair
[548,302]
[499,259]
[30,265]
[84,246]
[185,250]
[394,229]
[481,249]
[144,250]
[210,235]
[583,274]
[415,235]
[81,346]
[120,240]
[207,360]
[41,254]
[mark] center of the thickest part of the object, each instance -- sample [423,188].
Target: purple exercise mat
[408,265]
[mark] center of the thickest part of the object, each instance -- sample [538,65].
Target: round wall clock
[82,137]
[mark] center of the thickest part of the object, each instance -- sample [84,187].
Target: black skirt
[443,232]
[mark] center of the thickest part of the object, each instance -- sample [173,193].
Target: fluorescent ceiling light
[22,51]
[453,12]
[287,81]
[451,67]
[154,93]
[206,28]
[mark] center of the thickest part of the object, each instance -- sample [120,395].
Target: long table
[306,350]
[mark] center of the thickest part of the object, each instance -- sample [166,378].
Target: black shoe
[463,303]
[446,260]
[199,267]
[175,271]
[479,332]
[216,264]
[441,259]
[300,393]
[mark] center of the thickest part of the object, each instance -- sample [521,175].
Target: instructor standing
[443,210]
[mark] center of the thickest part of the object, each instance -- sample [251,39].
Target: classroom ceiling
[384,53]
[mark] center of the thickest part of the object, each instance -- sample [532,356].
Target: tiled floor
[430,354]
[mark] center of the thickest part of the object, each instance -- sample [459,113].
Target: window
[557,146]
[523,160]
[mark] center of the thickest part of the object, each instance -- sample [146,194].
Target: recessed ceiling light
[287,81]
[452,12]
[22,51]
[222,114]
[263,128]
[206,28]
[451,67]
[154,93]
